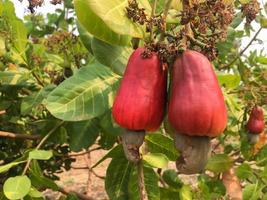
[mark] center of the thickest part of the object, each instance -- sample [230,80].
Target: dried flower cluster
[135,13]
[209,21]
[250,10]
[60,41]
[38,3]
[64,43]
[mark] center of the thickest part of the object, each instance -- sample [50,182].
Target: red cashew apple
[255,124]
[196,110]
[140,101]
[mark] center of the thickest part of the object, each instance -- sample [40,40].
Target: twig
[38,79]
[87,158]
[243,51]
[2,112]
[165,13]
[40,144]
[79,195]
[19,136]
[187,28]
[84,152]
[160,177]
[93,172]
[199,43]
[141,181]
[152,17]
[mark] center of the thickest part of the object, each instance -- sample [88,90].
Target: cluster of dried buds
[209,21]
[38,3]
[61,41]
[250,10]
[138,15]
[135,13]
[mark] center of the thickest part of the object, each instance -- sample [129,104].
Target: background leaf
[157,160]
[85,95]
[96,26]
[86,135]
[17,187]
[159,143]
[115,57]
[117,178]
[219,163]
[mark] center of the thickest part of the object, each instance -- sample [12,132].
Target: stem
[91,170]
[193,40]
[40,144]
[187,27]
[2,112]
[84,152]
[243,51]
[40,82]
[19,136]
[152,17]
[165,13]
[141,181]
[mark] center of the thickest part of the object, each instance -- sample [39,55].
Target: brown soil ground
[78,179]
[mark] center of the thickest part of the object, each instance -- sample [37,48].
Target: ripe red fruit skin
[255,123]
[196,105]
[141,98]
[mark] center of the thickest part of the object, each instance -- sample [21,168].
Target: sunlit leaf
[85,95]
[17,187]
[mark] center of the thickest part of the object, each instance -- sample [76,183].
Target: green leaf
[237,20]
[157,160]
[262,60]
[115,57]
[35,193]
[35,99]
[40,154]
[37,178]
[244,171]
[159,143]
[263,22]
[85,95]
[150,182]
[1,8]
[229,81]
[108,125]
[185,193]
[85,37]
[219,163]
[117,178]
[251,192]
[170,177]
[96,26]
[113,14]
[17,187]
[17,30]
[19,39]
[261,157]
[10,78]
[116,152]
[2,46]
[6,167]
[82,134]
[109,131]
[169,194]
